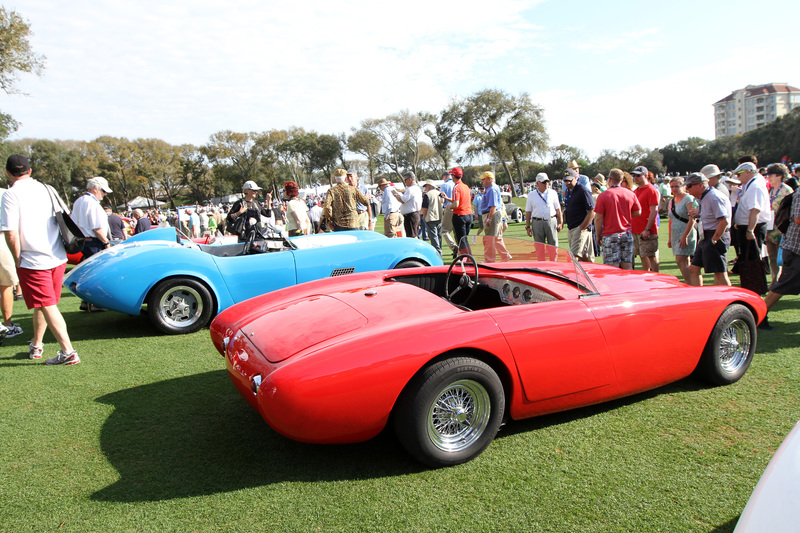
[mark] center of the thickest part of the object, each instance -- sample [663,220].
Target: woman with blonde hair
[682,235]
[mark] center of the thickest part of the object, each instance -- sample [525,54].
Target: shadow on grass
[195,436]
[514,427]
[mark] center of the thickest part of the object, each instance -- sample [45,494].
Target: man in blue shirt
[492,209]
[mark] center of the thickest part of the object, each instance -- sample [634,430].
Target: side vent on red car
[343,271]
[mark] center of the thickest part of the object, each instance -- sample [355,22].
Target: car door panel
[558,348]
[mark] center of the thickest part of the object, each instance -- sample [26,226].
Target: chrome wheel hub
[181,306]
[459,415]
[734,346]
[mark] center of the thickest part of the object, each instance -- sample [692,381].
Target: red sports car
[446,354]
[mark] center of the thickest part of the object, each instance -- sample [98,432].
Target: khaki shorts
[8,269]
[580,243]
[645,248]
[392,224]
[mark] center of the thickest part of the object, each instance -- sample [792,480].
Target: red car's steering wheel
[466,281]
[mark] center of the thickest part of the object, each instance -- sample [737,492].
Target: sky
[608,75]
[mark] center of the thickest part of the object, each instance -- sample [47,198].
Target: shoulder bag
[71,234]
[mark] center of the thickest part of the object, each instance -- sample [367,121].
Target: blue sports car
[185,285]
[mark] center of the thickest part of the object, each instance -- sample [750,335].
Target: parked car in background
[184,284]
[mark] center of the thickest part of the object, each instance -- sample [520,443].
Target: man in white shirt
[543,218]
[412,204]
[90,216]
[28,220]
[752,214]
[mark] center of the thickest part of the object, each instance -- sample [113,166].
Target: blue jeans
[461,227]
[435,234]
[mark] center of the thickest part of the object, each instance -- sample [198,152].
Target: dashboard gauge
[506,289]
[516,292]
[527,296]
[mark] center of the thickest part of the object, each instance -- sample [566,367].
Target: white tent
[141,201]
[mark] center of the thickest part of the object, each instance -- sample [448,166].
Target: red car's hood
[290,321]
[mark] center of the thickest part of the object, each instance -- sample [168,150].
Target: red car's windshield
[550,260]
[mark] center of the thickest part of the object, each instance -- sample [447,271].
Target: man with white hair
[142,222]
[543,218]
[91,218]
[340,204]
[753,211]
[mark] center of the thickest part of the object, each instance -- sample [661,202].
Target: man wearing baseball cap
[711,253]
[29,223]
[446,191]
[246,213]
[645,226]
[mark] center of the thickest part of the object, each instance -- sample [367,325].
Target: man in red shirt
[645,226]
[462,209]
[614,210]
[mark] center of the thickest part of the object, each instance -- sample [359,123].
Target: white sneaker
[13,330]
[62,358]
[35,352]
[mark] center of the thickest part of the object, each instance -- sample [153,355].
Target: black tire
[450,413]
[518,215]
[180,305]
[730,348]
[410,263]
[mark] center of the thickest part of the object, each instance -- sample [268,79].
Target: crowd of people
[754,210]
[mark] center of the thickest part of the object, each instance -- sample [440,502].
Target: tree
[312,151]
[239,150]
[443,137]
[116,163]
[686,156]
[368,144]
[401,136]
[501,125]
[59,166]
[16,55]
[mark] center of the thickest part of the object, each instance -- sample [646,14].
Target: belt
[542,219]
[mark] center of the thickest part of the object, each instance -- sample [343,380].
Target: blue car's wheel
[180,305]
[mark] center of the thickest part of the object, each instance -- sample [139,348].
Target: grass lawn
[148,434]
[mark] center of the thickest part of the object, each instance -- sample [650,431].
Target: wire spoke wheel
[734,346]
[459,416]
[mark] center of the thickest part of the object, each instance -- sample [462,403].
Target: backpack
[783,217]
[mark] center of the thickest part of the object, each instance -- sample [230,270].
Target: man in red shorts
[29,224]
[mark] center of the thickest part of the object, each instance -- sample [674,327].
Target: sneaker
[35,352]
[18,297]
[3,332]
[13,330]
[62,358]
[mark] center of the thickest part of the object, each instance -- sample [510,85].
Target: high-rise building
[752,107]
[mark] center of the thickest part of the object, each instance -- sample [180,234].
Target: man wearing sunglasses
[711,253]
